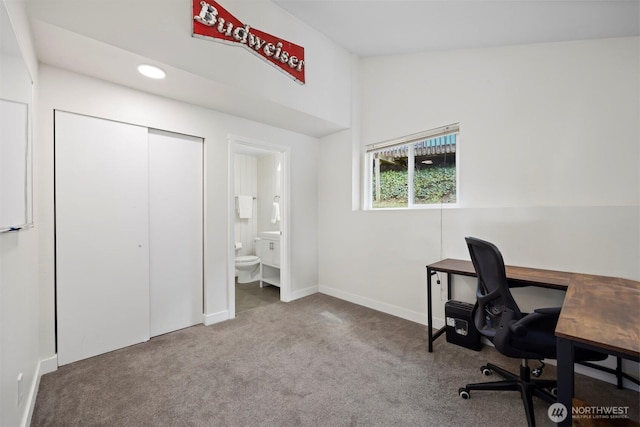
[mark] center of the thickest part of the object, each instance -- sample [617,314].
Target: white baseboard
[301,293]
[44,367]
[378,305]
[49,365]
[221,316]
[437,322]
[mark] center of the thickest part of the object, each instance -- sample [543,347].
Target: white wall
[19,322]
[549,161]
[19,350]
[72,92]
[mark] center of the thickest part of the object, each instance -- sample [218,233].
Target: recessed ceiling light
[151,71]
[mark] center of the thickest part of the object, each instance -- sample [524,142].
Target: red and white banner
[212,21]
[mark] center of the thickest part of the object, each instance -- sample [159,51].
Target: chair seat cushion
[541,343]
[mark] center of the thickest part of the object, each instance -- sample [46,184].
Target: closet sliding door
[129,234]
[102,235]
[175,226]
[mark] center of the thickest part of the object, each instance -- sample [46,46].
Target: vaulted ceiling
[388,27]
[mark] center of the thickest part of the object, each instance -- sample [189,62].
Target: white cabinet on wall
[128,221]
[269,245]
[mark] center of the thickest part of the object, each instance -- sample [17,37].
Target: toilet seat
[249,259]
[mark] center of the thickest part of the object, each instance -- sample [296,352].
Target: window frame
[409,141]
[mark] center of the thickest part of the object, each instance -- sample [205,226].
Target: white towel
[275,212]
[245,206]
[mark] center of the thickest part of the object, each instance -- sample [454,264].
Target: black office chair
[514,334]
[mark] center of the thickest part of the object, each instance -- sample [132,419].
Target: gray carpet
[317,361]
[251,295]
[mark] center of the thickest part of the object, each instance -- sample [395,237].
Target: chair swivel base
[528,387]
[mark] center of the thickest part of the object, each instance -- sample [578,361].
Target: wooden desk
[518,276]
[598,312]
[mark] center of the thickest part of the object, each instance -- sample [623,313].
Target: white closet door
[176,234]
[102,252]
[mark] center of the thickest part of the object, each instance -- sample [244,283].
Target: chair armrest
[520,327]
[554,311]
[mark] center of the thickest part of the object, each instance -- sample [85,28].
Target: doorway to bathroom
[258,224]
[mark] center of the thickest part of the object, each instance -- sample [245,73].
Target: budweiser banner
[212,21]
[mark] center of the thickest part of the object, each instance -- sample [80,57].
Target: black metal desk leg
[429,313]
[565,377]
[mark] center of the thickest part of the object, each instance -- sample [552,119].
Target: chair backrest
[492,292]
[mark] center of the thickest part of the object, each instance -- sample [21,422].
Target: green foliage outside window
[436,184]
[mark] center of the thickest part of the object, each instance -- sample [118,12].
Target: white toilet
[247,267]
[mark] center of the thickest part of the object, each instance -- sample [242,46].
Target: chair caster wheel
[536,372]
[464,393]
[485,370]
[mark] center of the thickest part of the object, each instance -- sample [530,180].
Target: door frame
[285,239]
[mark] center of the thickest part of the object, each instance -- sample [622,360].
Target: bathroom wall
[269,190]
[246,184]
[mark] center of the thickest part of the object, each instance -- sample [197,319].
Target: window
[416,170]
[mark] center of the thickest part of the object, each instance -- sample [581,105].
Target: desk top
[597,310]
[522,275]
[603,312]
